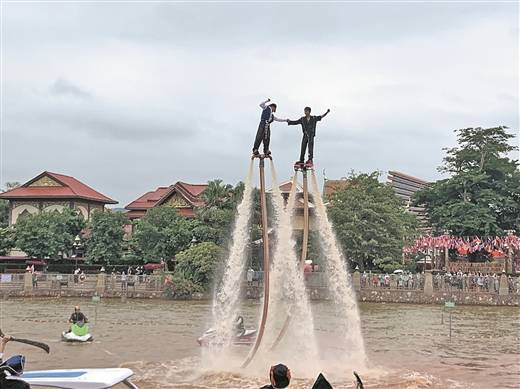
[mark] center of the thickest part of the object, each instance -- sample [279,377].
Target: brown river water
[407,345]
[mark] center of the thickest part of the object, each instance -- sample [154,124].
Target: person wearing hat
[280,377]
[308,124]
[263,134]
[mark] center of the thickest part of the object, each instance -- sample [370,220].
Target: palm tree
[218,195]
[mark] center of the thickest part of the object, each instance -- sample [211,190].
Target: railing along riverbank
[84,285]
[389,288]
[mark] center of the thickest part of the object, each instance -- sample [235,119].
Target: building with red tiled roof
[52,191]
[285,189]
[181,195]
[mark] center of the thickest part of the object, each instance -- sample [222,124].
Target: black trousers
[263,134]
[307,140]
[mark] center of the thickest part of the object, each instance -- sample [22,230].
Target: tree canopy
[48,234]
[161,234]
[197,264]
[482,195]
[371,222]
[7,239]
[4,213]
[105,241]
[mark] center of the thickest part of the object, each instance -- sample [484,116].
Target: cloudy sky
[131,96]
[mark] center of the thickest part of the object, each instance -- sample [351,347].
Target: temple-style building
[52,191]
[285,189]
[186,198]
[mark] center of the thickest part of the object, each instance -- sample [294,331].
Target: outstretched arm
[279,120]
[263,103]
[294,122]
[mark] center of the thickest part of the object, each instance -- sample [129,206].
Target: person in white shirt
[263,134]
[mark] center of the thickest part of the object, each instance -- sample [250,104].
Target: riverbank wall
[153,287]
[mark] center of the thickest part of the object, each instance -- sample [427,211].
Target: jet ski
[79,332]
[242,338]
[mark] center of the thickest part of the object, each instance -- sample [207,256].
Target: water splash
[340,288]
[289,295]
[227,298]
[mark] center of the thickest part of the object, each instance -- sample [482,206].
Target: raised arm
[263,103]
[322,116]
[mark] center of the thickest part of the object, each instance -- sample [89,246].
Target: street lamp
[194,241]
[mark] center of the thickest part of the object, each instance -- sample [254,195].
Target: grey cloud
[243,24]
[101,120]
[62,87]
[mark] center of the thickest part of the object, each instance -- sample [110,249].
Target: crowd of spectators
[403,280]
[474,282]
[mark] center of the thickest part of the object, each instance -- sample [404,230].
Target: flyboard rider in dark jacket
[263,134]
[308,124]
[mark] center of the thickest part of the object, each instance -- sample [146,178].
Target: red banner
[496,246]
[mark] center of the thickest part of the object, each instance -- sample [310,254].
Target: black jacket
[308,126]
[78,317]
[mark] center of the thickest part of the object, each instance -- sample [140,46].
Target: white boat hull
[71,337]
[78,378]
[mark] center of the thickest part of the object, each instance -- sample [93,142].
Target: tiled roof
[190,192]
[149,199]
[68,188]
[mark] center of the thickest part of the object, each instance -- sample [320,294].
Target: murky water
[407,345]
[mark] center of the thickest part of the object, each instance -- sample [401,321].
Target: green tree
[214,225]
[218,194]
[371,222]
[4,213]
[197,264]
[218,213]
[48,234]
[4,205]
[105,242]
[482,194]
[161,234]
[6,240]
